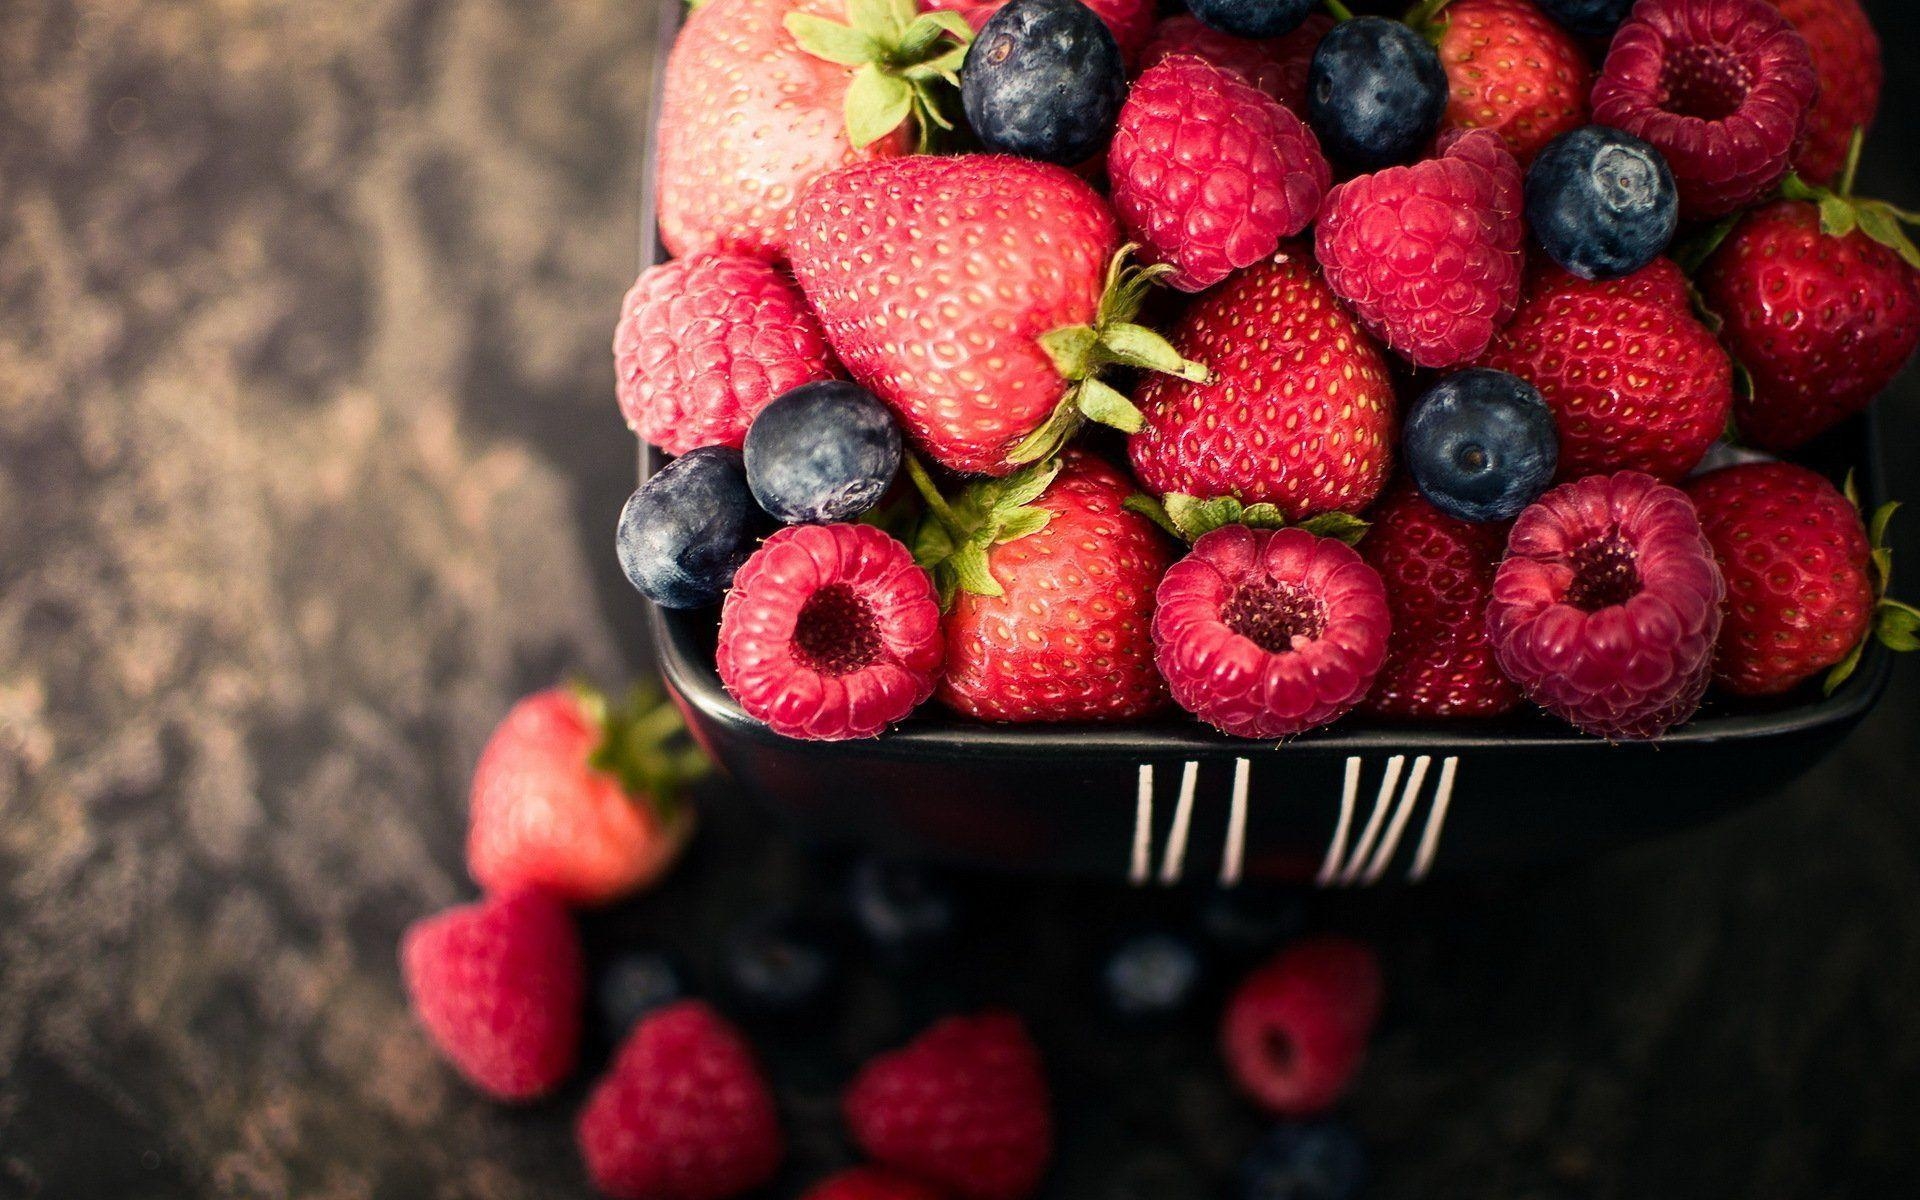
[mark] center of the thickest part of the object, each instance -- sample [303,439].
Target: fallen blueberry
[1151,975]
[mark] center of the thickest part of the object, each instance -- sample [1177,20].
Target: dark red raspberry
[498,986]
[1722,88]
[1430,257]
[964,1106]
[1607,606]
[1265,633]
[1438,571]
[683,1114]
[830,632]
[1209,173]
[705,343]
[869,1183]
[1277,66]
[1296,1030]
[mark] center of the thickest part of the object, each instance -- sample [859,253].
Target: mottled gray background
[308,461]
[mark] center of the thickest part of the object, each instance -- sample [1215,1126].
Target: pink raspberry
[1721,87]
[1295,1030]
[1607,606]
[1265,633]
[1209,173]
[830,632]
[498,985]
[1430,256]
[705,343]
[1277,66]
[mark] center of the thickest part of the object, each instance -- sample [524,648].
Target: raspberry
[1607,606]
[830,632]
[1430,257]
[683,1114]
[869,1183]
[498,986]
[1277,66]
[704,344]
[964,1106]
[1722,88]
[1209,173]
[1296,1029]
[1265,633]
[1795,556]
[1438,571]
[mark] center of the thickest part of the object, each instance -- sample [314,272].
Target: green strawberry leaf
[1152,510]
[1882,223]
[1191,518]
[1138,346]
[831,40]
[954,538]
[1837,216]
[1072,349]
[906,64]
[1882,517]
[1844,669]
[1342,527]
[1898,626]
[876,104]
[644,745]
[1105,406]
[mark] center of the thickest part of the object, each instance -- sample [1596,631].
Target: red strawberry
[1438,571]
[578,798]
[978,296]
[1130,21]
[1721,88]
[683,1114]
[1513,70]
[1846,57]
[748,116]
[1635,381]
[1805,579]
[1299,412]
[964,1106]
[705,343]
[1430,256]
[1277,66]
[869,1183]
[498,986]
[1209,173]
[1296,1030]
[1821,323]
[1051,594]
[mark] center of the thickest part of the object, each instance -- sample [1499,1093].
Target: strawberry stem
[930,493]
[1340,11]
[638,747]
[1852,169]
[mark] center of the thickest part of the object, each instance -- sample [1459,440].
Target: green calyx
[954,537]
[1896,625]
[1081,352]
[1427,18]
[1190,518]
[1841,212]
[643,745]
[906,65]
[1339,11]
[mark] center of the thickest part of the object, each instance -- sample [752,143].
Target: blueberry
[1151,975]
[1375,92]
[821,453]
[1602,202]
[1481,445]
[1044,80]
[633,985]
[901,908]
[688,529]
[778,965]
[1588,18]
[1320,1160]
[1252,18]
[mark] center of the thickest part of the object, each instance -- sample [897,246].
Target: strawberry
[761,96]
[1821,302]
[579,798]
[1049,586]
[1846,58]
[1806,578]
[979,296]
[1131,21]
[1299,412]
[683,1114]
[1277,66]
[1512,69]
[1439,574]
[964,1106]
[498,986]
[1635,381]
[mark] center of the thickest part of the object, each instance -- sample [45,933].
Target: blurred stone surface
[307,466]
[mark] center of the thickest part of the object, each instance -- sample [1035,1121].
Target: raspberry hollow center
[1272,615]
[1604,574]
[1708,82]
[836,633]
